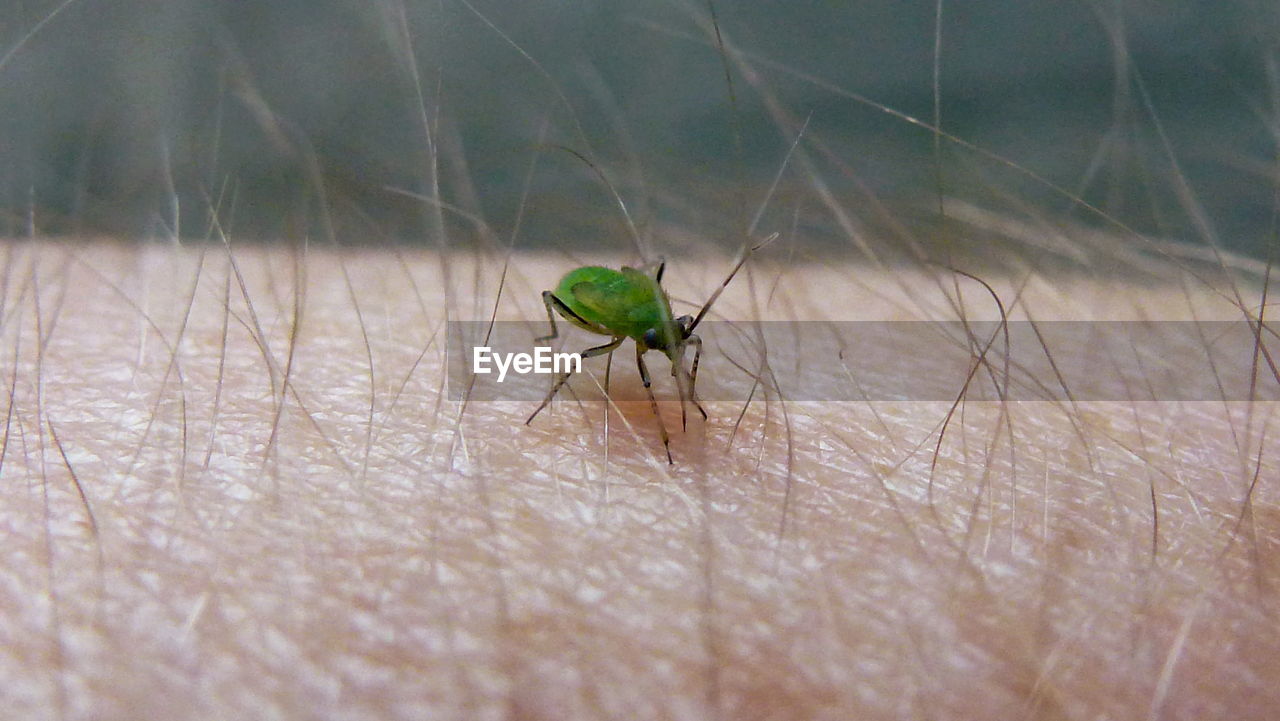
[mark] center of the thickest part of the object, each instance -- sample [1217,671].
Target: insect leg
[696,342]
[553,303]
[688,383]
[653,403]
[677,372]
[549,300]
[564,377]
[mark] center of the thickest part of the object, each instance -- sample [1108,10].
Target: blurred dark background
[333,119]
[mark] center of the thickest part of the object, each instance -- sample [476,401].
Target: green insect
[631,303]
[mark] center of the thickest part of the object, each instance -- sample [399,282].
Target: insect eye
[651,338]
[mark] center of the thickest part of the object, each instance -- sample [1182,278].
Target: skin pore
[234,486]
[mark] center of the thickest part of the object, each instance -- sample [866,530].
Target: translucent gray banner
[897,361]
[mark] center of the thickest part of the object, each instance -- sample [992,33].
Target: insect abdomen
[623,303]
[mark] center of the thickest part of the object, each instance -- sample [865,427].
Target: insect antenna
[741,262]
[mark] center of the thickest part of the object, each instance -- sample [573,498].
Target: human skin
[240,489]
